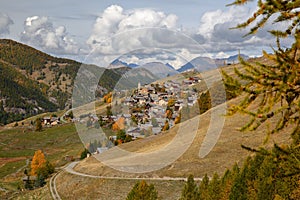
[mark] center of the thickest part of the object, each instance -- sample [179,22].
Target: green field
[19,144]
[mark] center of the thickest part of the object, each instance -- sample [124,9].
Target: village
[149,109]
[138,113]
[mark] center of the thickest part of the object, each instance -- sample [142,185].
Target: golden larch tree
[119,124]
[38,162]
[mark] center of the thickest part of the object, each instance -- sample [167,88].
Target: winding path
[62,117]
[70,169]
[53,189]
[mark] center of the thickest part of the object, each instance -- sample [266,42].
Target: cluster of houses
[50,121]
[145,110]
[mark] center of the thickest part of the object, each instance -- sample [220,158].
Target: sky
[170,31]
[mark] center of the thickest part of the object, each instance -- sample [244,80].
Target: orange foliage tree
[166,126]
[115,127]
[107,98]
[38,162]
[169,114]
[119,124]
[178,119]
[171,102]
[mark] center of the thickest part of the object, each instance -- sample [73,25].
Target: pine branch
[249,149]
[286,11]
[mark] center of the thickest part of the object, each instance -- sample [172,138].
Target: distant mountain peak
[169,65]
[205,63]
[118,63]
[231,59]
[199,63]
[160,69]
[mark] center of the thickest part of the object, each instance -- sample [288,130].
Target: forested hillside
[20,96]
[33,82]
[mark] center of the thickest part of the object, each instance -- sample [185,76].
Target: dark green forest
[267,175]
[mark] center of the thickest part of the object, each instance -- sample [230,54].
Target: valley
[186,101]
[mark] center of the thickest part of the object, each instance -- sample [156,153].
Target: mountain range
[158,69]
[199,63]
[230,60]
[118,63]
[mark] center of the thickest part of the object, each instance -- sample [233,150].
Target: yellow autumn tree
[119,124]
[115,127]
[38,162]
[169,114]
[171,102]
[107,98]
[178,119]
[166,126]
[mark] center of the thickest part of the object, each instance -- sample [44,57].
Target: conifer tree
[108,111]
[275,87]
[239,187]
[266,182]
[40,181]
[283,11]
[142,191]
[121,135]
[275,84]
[253,166]
[190,190]
[38,125]
[214,188]
[203,188]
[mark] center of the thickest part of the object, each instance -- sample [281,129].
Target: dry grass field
[77,187]
[226,152]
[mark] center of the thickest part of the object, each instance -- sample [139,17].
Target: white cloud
[222,55]
[116,30]
[231,17]
[215,28]
[5,22]
[41,33]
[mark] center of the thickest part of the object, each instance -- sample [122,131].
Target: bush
[142,190]
[84,154]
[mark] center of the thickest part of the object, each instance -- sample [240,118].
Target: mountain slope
[225,153]
[134,76]
[56,74]
[20,96]
[204,63]
[118,64]
[200,64]
[231,60]
[32,81]
[159,69]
